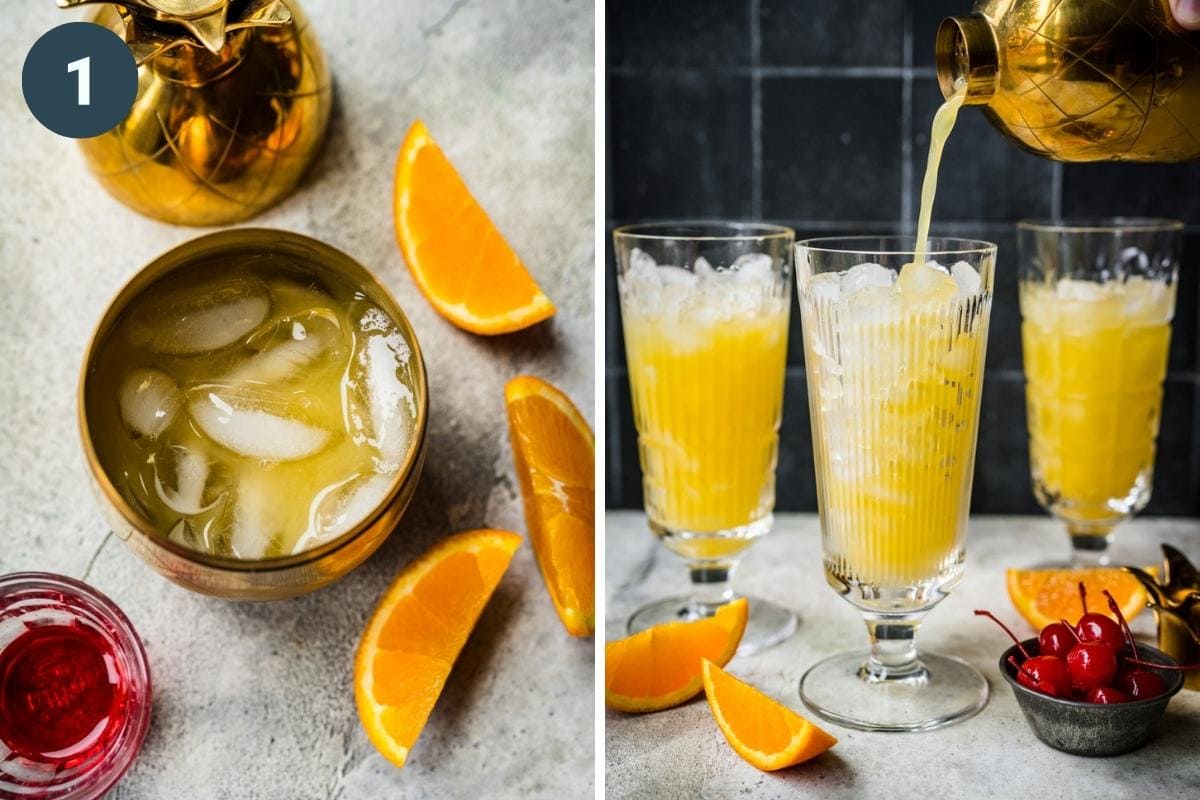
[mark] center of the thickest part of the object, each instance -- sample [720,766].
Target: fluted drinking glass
[894,356]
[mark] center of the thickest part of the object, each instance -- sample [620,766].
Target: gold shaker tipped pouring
[1079,80]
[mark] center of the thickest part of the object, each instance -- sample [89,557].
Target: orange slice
[458,258]
[555,456]
[660,667]
[767,734]
[417,631]
[1043,596]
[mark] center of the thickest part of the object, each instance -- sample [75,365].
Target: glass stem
[893,649]
[711,586]
[1089,544]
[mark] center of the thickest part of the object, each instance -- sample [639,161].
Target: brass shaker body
[224,124]
[223,576]
[1079,80]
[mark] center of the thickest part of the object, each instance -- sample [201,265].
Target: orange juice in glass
[1097,298]
[705,318]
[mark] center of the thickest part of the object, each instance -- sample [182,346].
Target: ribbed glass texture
[894,376]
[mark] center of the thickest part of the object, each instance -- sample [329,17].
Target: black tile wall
[1158,190]
[623,485]
[816,115]
[926,16]
[814,34]
[1002,454]
[831,148]
[794,487]
[1004,330]
[684,141]
[653,34]
[1175,480]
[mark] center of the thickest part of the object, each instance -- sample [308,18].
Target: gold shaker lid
[206,20]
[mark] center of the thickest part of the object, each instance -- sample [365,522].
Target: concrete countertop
[680,752]
[255,701]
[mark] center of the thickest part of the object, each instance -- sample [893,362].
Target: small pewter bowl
[1088,729]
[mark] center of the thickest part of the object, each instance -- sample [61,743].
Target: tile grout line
[1056,190]
[906,127]
[756,155]
[758,70]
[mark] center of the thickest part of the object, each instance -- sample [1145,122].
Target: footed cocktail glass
[894,355]
[1097,298]
[705,316]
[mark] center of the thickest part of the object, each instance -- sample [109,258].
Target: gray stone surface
[255,701]
[680,753]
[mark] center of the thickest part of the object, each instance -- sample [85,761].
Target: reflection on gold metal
[232,106]
[1175,597]
[1080,80]
[268,578]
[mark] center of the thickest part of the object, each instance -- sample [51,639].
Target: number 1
[84,67]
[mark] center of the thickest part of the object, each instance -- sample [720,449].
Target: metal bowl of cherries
[1089,688]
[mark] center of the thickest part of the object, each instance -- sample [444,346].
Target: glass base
[945,690]
[768,624]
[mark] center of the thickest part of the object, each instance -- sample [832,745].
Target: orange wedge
[660,667]
[767,734]
[1043,596]
[555,455]
[417,631]
[458,258]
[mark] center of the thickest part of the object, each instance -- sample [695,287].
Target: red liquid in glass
[61,693]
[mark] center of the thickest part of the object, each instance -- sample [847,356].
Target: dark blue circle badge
[79,80]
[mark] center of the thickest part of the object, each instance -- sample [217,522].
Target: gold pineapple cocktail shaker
[232,105]
[1079,80]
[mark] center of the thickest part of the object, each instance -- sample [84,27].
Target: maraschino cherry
[1046,674]
[1088,660]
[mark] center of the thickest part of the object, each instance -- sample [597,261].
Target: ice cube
[201,319]
[337,510]
[283,361]
[873,305]
[149,400]
[753,268]
[706,315]
[254,525]
[864,276]
[677,276]
[703,269]
[641,263]
[1129,262]
[966,277]
[926,284]
[391,406]
[237,425]
[1147,301]
[189,470]
[826,287]
[1083,291]
[293,298]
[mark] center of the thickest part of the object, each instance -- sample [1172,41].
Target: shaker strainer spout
[1079,80]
